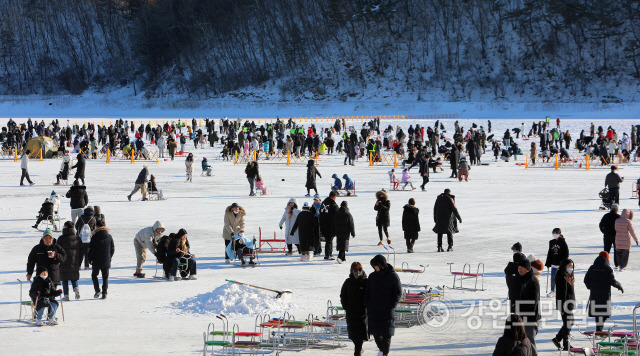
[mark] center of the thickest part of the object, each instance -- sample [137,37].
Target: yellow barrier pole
[40,154]
[157,157]
[316,158]
[395,160]
[587,159]
[15,154]
[108,155]
[526,161]
[255,155]
[133,153]
[556,161]
[370,159]
[288,158]
[617,160]
[235,160]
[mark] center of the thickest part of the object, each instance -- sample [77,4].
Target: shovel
[279,294]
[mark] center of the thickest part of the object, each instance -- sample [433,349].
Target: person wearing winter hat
[315,207]
[234,216]
[85,225]
[308,230]
[608,229]
[47,254]
[565,302]
[43,293]
[517,247]
[599,280]
[381,296]
[352,300]
[513,280]
[289,216]
[147,238]
[70,268]
[528,303]
[312,172]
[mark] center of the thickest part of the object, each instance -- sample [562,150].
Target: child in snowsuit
[393,179]
[463,170]
[406,179]
[348,184]
[260,185]
[206,168]
[337,183]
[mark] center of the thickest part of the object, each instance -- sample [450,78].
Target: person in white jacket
[55,200]
[24,165]
[146,238]
[289,218]
[162,144]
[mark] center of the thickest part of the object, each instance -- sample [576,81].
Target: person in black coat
[312,172]
[424,171]
[558,252]
[252,172]
[513,279]
[101,250]
[79,199]
[454,158]
[79,166]
[445,214]
[43,293]
[381,296]
[528,304]
[328,209]
[608,229]
[599,280]
[309,232]
[140,182]
[48,253]
[383,204]
[46,211]
[89,219]
[352,301]
[179,251]
[410,224]
[343,227]
[565,302]
[514,340]
[70,268]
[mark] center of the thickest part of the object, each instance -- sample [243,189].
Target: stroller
[606,202]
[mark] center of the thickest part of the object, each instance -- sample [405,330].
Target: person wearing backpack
[514,341]
[146,238]
[85,225]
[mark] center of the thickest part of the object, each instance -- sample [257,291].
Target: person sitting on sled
[337,183]
[206,168]
[260,185]
[43,294]
[64,170]
[46,212]
[406,179]
[393,179]
[348,184]
[242,245]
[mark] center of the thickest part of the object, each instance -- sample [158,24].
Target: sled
[347,192]
[27,307]
[51,222]
[634,190]
[460,277]
[270,245]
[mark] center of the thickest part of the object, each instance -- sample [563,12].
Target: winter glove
[57,293]
[280,227]
[45,302]
[621,290]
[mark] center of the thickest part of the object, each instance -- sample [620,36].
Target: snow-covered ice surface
[502,203]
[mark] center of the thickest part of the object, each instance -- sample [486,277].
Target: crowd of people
[368,301]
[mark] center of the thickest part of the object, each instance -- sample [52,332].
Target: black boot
[450,248]
[440,249]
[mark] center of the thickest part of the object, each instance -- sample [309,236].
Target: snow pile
[233,299]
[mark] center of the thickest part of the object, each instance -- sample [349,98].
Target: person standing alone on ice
[613,181]
[24,165]
[381,296]
[352,300]
[558,252]
[445,214]
[311,177]
[140,183]
[410,224]
[382,217]
[233,218]
[146,238]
